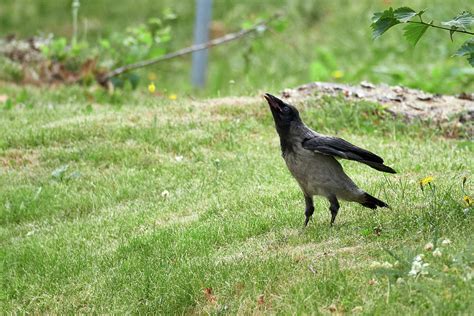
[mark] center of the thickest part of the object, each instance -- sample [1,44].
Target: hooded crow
[312,160]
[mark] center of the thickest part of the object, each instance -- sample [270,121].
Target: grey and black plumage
[312,159]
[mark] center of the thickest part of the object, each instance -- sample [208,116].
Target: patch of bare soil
[398,100]
[16,158]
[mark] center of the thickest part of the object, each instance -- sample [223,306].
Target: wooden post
[201,35]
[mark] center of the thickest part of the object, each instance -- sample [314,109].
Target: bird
[312,159]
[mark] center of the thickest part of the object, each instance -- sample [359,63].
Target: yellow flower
[172,97]
[151,87]
[337,74]
[469,201]
[426,180]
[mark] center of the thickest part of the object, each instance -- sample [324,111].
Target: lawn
[134,203]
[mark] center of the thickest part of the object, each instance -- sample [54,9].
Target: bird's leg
[334,208]
[309,209]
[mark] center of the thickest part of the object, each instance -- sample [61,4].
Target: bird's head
[284,114]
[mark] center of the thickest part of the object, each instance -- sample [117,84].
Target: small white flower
[469,276]
[387,265]
[375,264]
[437,253]
[178,158]
[400,281]
[165,193]
[423,268]
[418,267]
[429,246]
[446,242]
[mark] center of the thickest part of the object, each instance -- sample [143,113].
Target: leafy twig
[414,30]
[104,79]
[440,27]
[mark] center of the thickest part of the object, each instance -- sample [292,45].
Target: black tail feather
[378,166]
[372,202]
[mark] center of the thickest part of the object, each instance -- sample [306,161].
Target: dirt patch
[16,158]
[398,100]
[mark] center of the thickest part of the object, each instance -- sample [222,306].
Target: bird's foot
[306,220]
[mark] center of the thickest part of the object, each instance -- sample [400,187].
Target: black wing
[338,147]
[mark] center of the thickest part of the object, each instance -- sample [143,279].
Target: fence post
[201,35]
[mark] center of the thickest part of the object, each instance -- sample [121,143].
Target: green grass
[128,228]
[321,37]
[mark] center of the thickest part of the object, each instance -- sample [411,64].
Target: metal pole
[201,35]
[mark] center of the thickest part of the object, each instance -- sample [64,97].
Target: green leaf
[382,25]
[463,21]
[471,60]
[404,14]
[382,22]
[466,49]
[414,31]
[376,16]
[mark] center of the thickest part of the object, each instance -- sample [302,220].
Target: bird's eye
[286,109]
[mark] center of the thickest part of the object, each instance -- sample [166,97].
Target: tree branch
[184,51]
[441,27]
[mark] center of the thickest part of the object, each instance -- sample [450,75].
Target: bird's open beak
[273,101]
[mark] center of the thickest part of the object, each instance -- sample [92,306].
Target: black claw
[306,220]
